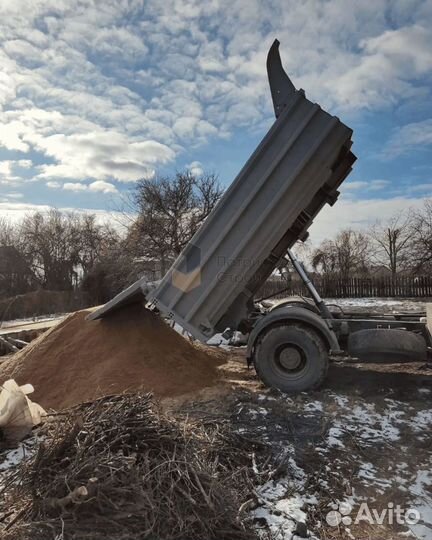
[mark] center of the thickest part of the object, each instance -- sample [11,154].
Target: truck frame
[295,170]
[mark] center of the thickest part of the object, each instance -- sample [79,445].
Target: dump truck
[296,169]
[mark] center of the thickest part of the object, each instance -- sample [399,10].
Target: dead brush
[119,469]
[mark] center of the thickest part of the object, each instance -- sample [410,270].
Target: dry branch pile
[117,468]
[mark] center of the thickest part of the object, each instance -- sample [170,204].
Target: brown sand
[133,349]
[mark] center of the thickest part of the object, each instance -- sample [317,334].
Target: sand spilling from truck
[133,349]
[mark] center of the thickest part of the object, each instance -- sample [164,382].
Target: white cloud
[356,184]
[407,138]
[74,186]
[8,171]
[53,185]
[117,44]
[6,167]
[98,187]
[422,187]
[106,95]
[16,211]
[361,185]
[10,137]
[386,70]
[104,187]
[101,155]
[358,214]
[24,163]
[377,185]
[196,168]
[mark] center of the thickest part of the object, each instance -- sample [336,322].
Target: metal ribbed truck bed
[294,171]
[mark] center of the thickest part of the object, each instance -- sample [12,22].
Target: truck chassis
[291,342]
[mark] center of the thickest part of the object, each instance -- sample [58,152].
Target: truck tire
[387,345]
[291,357]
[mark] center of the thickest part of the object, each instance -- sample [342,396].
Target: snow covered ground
[11,458]
[383,305]
[359,457]
[389,304]
[357,453]
[32,320]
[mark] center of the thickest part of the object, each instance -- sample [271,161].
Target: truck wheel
[292,358]
[387,345]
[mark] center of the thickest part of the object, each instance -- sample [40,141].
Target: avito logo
[390,515]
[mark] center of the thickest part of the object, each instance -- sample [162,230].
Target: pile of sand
[133,349]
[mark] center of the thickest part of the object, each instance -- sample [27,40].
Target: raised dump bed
[294,171]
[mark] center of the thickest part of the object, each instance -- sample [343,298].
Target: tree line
[400,245]
[64,251]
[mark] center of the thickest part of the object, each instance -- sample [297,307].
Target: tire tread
[309,333]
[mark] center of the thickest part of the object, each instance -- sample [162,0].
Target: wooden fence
[399,287]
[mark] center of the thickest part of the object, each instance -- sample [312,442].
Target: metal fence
[356,287]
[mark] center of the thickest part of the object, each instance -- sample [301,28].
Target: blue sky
[95,95]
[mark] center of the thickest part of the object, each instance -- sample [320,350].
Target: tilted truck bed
[294,171]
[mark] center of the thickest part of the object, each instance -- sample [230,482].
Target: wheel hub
[290,358]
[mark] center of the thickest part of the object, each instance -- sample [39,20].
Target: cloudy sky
[95,95]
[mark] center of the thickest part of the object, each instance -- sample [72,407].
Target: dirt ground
[363,438]
[355,456]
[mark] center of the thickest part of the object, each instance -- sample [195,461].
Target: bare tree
[421,241]
[8,233]
[63,251]
[391,242]
[51,241]
[170,211]
[344,256]
[15,274]
[324,258]
[62,248]
[95,240]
